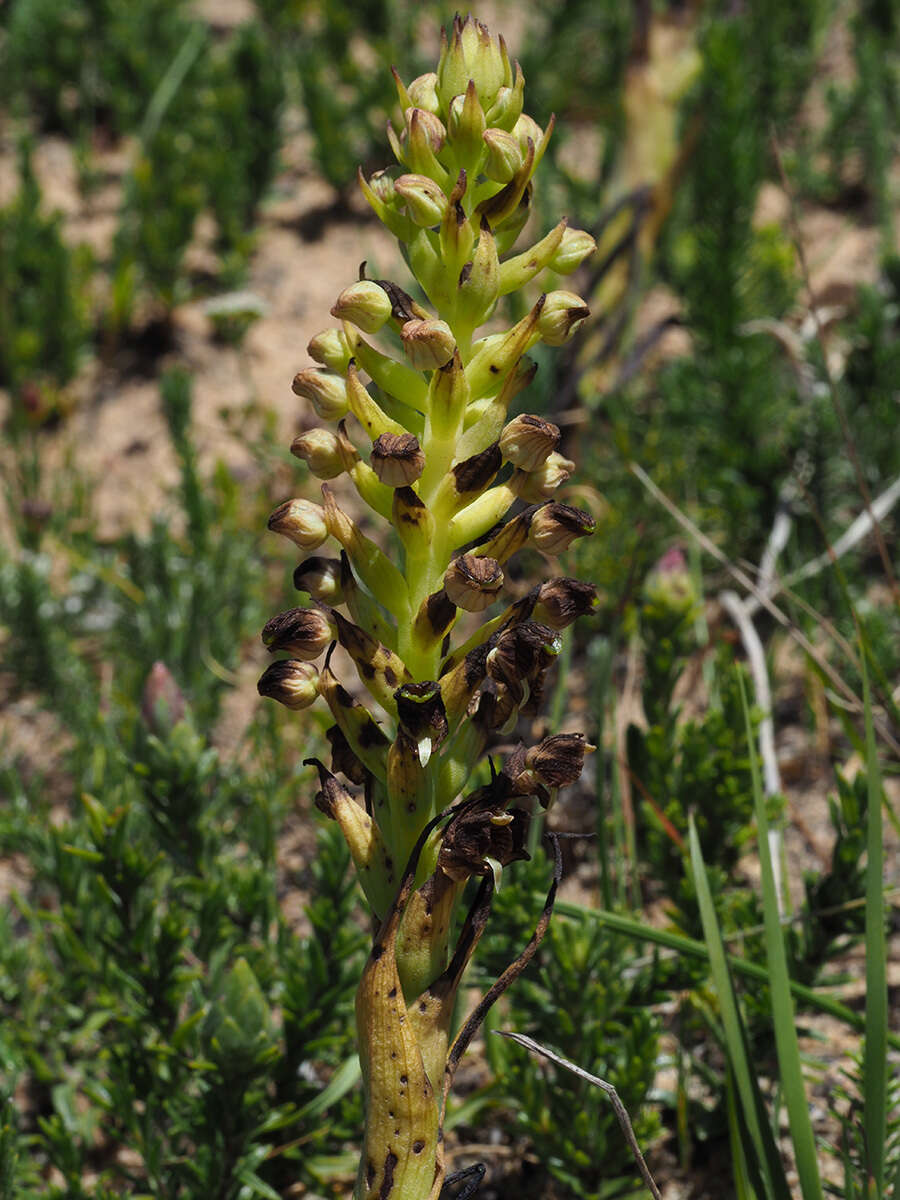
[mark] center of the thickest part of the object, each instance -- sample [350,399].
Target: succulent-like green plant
[438,437]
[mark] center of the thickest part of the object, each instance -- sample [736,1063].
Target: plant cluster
[43,318]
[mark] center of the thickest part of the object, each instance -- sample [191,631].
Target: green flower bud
[428,344]
[576,245]
[504,204]
[320,449]
[382,184]
[563,313]
[386,210]
[425,201]
[507,107]
[321,578]
[365,305]
[330,348]
[422,124]
[423,139]
[302,522]
[504,155]
[472,54]
[325,391]
[293,684]
[527,129]
[465,127]
[473,583]
[422,93]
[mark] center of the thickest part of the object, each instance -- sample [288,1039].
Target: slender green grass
[783,1016]
[875,1051]
[762,1157]
[638,931]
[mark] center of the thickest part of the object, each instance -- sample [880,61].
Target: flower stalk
[425,436]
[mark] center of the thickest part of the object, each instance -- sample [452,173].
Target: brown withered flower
[558,760]
[554,527]
[559,602]
[421,712]
[397,459]
[303,632]
[473,583]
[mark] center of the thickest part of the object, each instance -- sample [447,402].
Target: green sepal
[482,514]
[400,381]
[516,272]
[418,154]
[495,356]
[363,607]
[466,129]
[507,108]
[380,669]
[370,415]
[479,282]
[375,570]
[375,867]
[399,225]
[363,735]
[497,208]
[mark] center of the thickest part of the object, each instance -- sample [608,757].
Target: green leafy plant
[43,317]
[337,58]
[209,142]
[585,995]
[92,64]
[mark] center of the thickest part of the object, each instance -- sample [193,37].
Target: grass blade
[636,930]
[759,1135]
[875,1052]
[783,1017]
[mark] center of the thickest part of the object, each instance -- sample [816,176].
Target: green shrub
[88,64]
[43,310]
[210,143]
